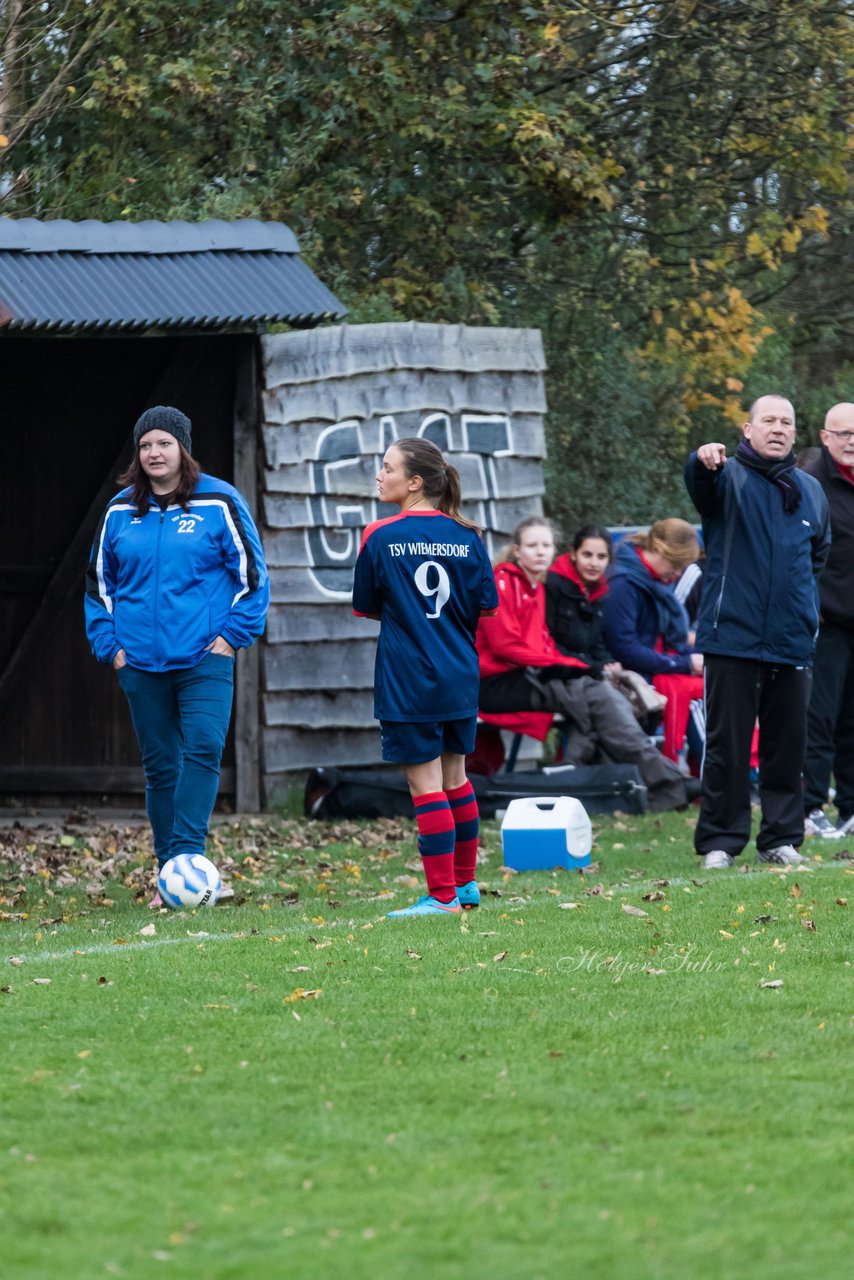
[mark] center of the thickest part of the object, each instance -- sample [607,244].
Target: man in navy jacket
[766,532]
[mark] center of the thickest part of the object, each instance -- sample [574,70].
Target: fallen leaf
[656,896]
[299,993]
[414,955]
[795,891]
[724,933]
[655,973]
[148,931]
[632,911]
[500,955]
[85,1053]
[763,919]
[778,982]
[809,924]
[842,902]
[299,968]
[569,906]
[16,961]
[42,982]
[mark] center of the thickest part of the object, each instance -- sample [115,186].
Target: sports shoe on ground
[717,859]
[785,855]
[156,902]
[846,826]
[816,824]
[428,906]
[469,895]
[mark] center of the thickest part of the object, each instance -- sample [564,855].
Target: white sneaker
[717,860]
[225,893]
[785,855]
[817,824]
[846,826]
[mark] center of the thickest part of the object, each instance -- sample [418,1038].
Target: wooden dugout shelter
[100,320]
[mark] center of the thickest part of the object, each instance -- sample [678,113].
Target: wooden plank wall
[332,401]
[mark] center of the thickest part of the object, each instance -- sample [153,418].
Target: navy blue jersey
[428,579]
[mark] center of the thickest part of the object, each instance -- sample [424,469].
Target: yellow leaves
[551,31]
[533,125]
[4,140]
[790,238]
[300,993]
[755,244]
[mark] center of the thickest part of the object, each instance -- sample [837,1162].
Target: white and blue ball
[190,880]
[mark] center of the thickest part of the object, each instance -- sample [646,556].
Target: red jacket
[516,636]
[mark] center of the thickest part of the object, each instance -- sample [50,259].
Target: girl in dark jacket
[646,628]
[602,718]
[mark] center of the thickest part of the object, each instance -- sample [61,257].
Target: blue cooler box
[538,834]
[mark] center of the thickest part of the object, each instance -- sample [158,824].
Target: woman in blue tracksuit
[176,583]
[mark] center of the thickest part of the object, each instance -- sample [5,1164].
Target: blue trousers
[181,721]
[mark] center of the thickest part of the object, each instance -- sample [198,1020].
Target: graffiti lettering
[348,456]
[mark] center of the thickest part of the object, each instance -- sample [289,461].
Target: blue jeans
[181,721]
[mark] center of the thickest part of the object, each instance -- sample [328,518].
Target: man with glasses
[830,723]
[766,532]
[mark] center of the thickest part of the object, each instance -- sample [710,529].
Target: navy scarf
[778,473]
[672,618]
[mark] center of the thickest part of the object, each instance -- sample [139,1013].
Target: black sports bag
[375,793]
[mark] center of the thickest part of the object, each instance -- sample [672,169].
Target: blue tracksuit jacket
[163,587]
[760,593]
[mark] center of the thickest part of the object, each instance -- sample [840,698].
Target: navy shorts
[405,743]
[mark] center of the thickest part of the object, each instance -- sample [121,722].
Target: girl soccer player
[425,575]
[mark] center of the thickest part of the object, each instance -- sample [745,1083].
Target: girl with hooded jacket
[646,628]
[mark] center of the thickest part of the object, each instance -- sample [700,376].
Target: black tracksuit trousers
[830,724]
[737,691]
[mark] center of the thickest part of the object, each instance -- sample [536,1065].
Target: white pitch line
[105,948]
[714,876]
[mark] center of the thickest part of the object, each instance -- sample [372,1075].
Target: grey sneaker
[816,824]
[717,860]
[785,855]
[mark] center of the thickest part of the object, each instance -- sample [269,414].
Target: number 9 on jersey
[434,586]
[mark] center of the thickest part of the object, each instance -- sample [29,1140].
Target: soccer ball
[190,880]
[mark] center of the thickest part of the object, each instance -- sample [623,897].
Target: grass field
[292,1085]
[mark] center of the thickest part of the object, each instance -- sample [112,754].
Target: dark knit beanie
[164,418]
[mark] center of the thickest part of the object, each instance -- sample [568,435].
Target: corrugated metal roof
[60,235]
[70,276]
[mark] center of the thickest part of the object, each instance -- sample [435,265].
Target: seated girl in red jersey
[518,658]
[601,719]
[646,627]
[425,575]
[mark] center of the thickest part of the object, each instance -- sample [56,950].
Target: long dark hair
[440,479]
[593,531]
[140,494]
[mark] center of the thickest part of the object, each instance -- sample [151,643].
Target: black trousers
[737,692]
[830,722]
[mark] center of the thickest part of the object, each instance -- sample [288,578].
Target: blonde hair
[507,552]
[673,538]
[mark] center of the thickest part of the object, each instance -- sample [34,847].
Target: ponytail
[440,479]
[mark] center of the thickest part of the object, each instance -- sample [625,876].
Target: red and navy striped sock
[467,823]
[436,843]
